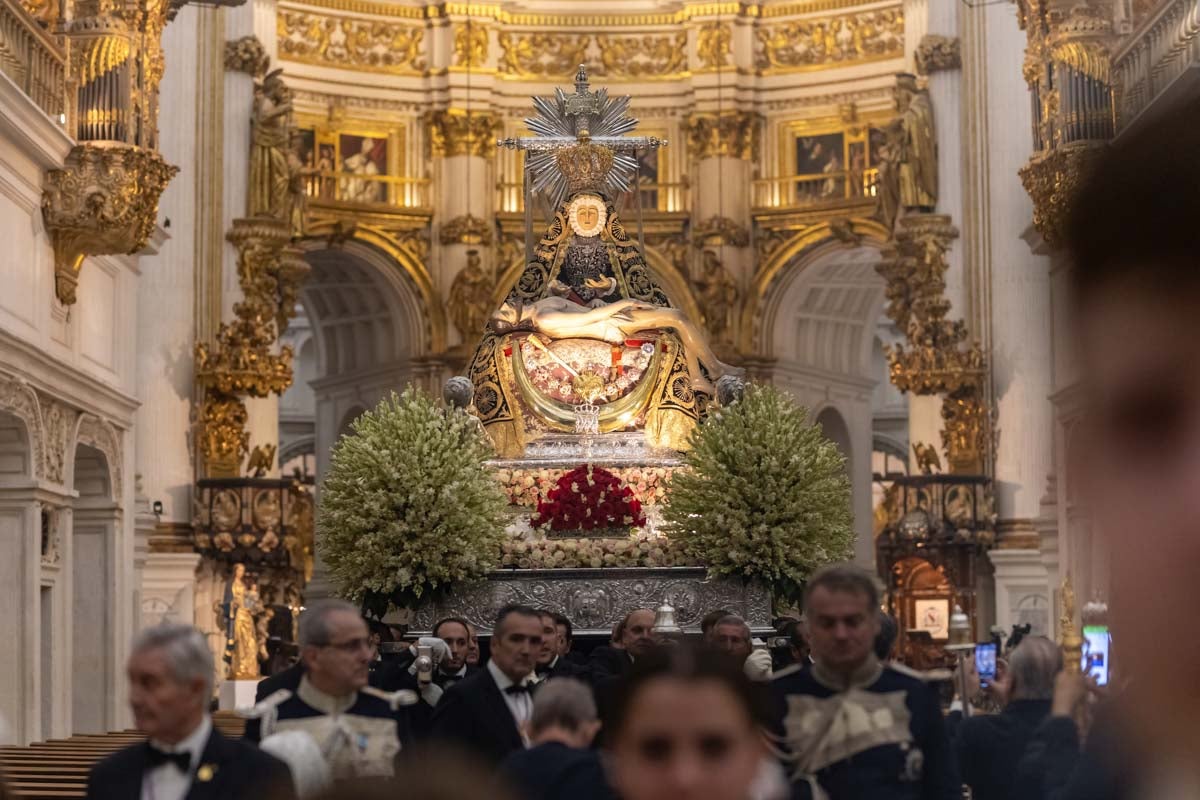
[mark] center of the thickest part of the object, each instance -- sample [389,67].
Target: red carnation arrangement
[589,498]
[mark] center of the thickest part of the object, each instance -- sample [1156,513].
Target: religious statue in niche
[586,324]
[238,610]
[908,178]
[718,295]
[270,133]
[471,298]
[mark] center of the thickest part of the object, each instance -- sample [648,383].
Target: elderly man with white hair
[170,673]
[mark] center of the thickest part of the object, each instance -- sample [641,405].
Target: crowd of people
[822,714]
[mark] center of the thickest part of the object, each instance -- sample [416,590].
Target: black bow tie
[156,758]
[517,688]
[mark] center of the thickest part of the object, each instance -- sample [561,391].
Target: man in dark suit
[170,683]
[559,765]
[551,663]
[485,712]
[633,637]
[989,747]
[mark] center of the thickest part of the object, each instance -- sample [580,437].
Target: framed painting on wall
[933,617]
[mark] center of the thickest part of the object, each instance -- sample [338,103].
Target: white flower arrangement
[408,506]
[765,496]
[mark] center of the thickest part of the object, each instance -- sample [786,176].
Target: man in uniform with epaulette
[850,726]
[357,727]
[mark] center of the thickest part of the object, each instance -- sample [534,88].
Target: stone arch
[834,426]
[93,568]
[397,269]
[794,257]
[20,401]
[101,436]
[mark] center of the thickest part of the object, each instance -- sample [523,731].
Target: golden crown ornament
[579,143]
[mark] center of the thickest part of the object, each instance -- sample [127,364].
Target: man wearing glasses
[355,726]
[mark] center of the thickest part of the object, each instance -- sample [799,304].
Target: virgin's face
[588,217]
[687,740]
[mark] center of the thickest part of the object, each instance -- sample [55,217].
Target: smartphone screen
[985,662]
[1096,657]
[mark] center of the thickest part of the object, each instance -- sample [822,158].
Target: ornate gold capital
[936,52]
[466,229]
[247,55]
[104,200]
[455,133]
[734,134]
[719,231]
[1051,180]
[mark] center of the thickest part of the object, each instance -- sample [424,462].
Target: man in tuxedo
[456,633]
[560,764]
[485,711]
[566,640]
[170,683]
[550,662]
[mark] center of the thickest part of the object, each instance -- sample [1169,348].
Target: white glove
[431,693]
[758,666]
[438,650]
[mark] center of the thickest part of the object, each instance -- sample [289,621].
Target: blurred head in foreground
[1132,240]
[685,727]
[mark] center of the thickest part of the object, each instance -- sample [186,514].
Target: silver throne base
[596,599]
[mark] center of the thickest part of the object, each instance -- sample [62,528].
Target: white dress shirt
[521,703]
[167,781]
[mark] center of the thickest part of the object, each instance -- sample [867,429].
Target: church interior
[233,227]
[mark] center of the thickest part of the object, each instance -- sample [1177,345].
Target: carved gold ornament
[103,200]
[1051,180]
[734,134]
[936,52]
[541,55]
[838,41]
[246,55]
[470,45]
[221,435]
[586,215]
[466,229]
[714,44]
[456,133]
[641,56]
[938,358]
[351,43]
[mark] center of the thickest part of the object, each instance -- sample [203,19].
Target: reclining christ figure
[560,318]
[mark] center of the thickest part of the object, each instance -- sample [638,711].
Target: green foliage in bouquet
[765,495]
[408,507]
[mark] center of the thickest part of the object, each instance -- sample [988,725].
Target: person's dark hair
[844,578]
[510,609]
[561,619]
[685,663]
[886,637]
[438,625]
[1135,211]
[712,618]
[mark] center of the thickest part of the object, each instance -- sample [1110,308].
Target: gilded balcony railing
[353,187]
[655,197]
[32,59]
[826,188]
